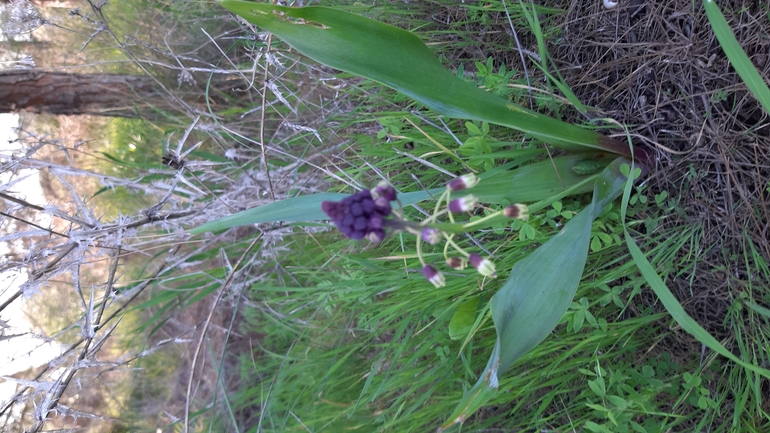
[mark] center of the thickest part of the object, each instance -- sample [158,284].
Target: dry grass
[657,67]
[653,65]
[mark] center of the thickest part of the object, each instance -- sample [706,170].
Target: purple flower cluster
[360,215]
[365,215]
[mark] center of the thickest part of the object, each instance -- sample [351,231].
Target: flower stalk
[368,213]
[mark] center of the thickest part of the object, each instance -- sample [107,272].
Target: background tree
[52,92]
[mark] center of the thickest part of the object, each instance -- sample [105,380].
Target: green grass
[376,352]
[355,339]
[736,54]
[348,337]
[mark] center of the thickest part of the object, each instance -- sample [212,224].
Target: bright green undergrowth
[385,343]
[350,337]
[353,344]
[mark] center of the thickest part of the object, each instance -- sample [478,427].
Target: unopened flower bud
[376,236]
[384,190]
[431,235]
[484,266]
[383,205]
[456,263]
[358,216]
[465,181]
[518,211]
[435,277]
[462,204]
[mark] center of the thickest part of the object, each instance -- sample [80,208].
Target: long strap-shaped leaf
[538,292]
[672,305]
[738,58]
[400,60]
[531,183]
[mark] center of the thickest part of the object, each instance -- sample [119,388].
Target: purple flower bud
[435,277]
[483,266]
[431,235]
[382,205]
[376,236]
[456,263]
[376,222]
[384,190]
[465,181]
[333,209]
[519,211]
[462,204]
[359,216]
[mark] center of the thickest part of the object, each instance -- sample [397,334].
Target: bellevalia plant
[542,285]
[365,215]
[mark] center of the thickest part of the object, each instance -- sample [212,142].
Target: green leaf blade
[737,56]
[539,291]
[400,60]
[305,208]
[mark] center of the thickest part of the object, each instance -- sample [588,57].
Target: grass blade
[737,56]
[672,305]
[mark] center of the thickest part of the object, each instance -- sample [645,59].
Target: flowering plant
[541,286]
[365,215]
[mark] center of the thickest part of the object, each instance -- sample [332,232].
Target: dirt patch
[657,67]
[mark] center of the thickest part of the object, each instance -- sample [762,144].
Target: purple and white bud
[518,211]
[431,235]
[435,277]
[456,263]
[462,204]
[358,216]
[483,266]
[384,190]
[382,203]
[376,236]
[465,181]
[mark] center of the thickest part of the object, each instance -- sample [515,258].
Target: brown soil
[657,67]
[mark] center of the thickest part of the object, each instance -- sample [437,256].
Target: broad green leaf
[462,320]
[529,183]
[669,301]
[539,181]
[538,292]
[303,208]
[297,209]
[737,56]
[400,60]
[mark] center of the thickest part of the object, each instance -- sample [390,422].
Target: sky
[18,353]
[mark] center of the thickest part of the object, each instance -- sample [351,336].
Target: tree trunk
[50,3]
[71,94]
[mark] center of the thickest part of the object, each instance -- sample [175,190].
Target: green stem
[419,251]
[454,228]
[488,220]
[451,241]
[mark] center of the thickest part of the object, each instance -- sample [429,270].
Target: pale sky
[18,353]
